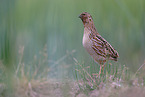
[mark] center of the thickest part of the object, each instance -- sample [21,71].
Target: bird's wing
[103,48]
[98,46]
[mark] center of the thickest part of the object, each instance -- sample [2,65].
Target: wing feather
[103,48]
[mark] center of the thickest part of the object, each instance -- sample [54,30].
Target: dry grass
[114,81]
[32,81]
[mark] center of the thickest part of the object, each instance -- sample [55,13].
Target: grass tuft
[114,75]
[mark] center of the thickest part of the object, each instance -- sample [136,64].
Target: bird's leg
[100,69]
[103,68]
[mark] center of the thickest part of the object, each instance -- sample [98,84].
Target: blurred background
[54,26]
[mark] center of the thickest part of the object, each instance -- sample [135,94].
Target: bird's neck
[91,28]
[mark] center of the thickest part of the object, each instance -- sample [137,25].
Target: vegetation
[34,81]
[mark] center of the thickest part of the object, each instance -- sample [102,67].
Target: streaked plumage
[99,49]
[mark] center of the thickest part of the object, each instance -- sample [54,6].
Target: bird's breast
[87,43]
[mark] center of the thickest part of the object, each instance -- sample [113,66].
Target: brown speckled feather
[104,48]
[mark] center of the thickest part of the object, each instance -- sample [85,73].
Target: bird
[98,48]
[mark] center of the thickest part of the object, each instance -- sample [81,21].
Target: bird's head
[86,18]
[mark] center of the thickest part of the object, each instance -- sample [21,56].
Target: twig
[139,68]
[32,93]
[21,51]
[84,70]
[62,58]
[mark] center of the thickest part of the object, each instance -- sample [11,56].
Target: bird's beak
[80,16]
